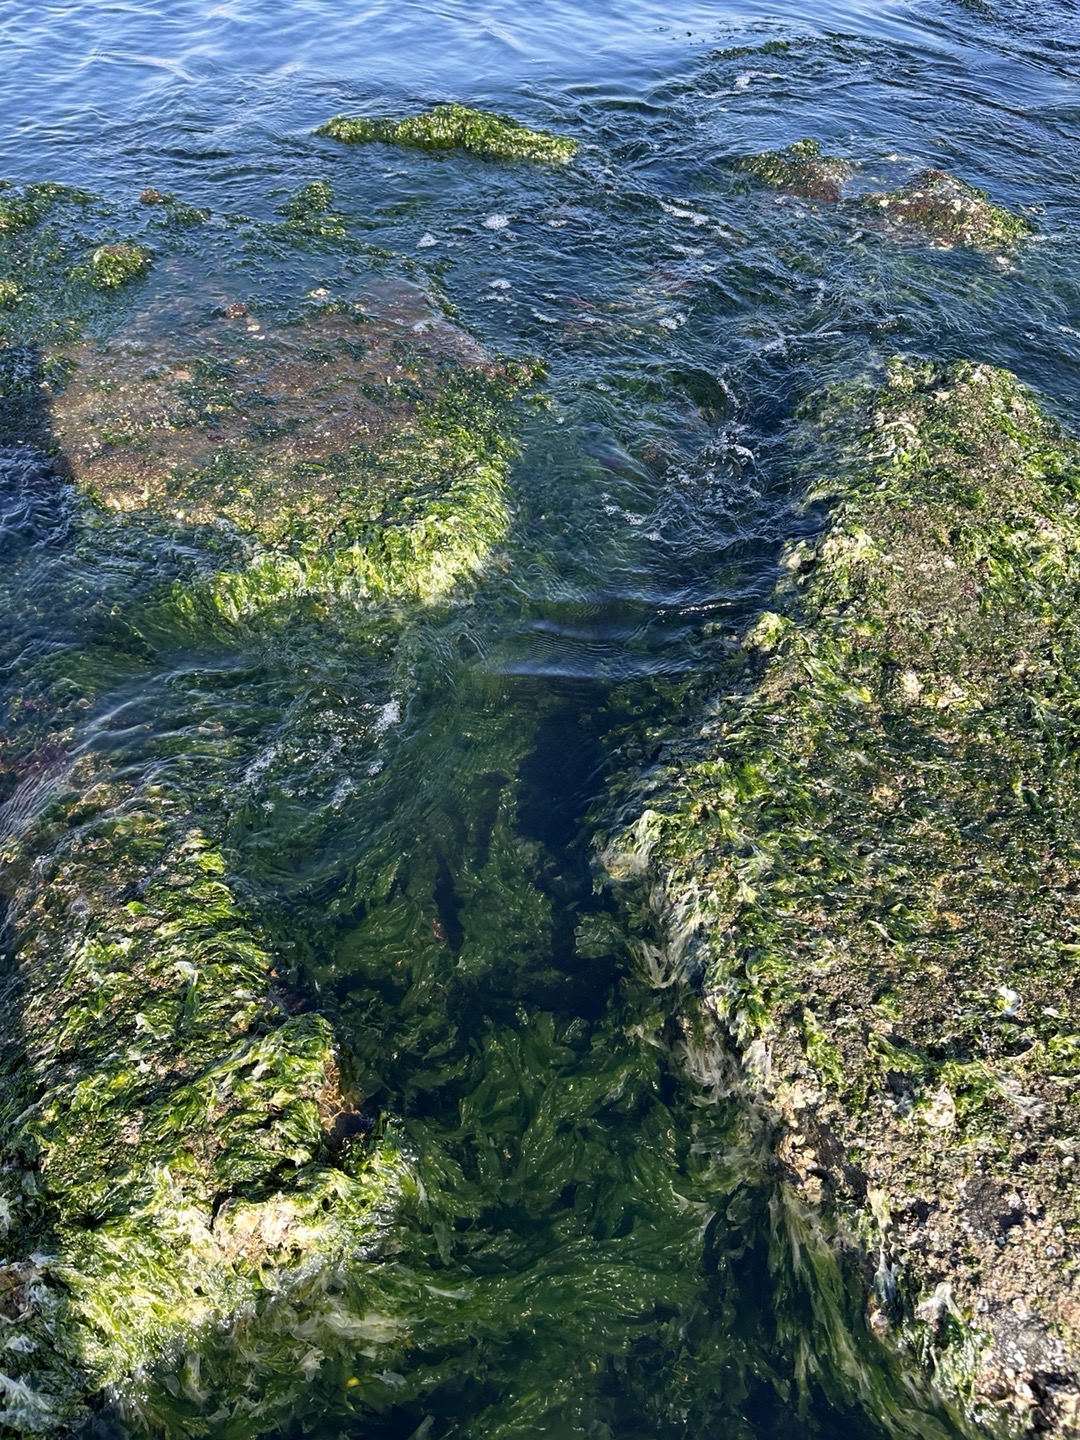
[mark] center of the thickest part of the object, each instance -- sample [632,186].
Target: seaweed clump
[111,266]
[23,210]
[454,127]
[176,212]
[951,213]
[801,169]
[870,850]
[171,1183]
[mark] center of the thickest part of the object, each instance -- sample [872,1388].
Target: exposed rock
[950,213]
[872,851]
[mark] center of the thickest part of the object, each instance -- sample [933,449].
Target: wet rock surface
[801,170]
[356,448]
[871,851]
[454,127]
[950,212]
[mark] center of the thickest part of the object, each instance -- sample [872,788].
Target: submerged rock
[188,1177]
[360,450]
[951,212]
[871,850]
[801,169]
[454,127]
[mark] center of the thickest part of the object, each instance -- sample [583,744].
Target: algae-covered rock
[173,1178]
[801,169]
[454,127]
[113,265]
[360,450]
[174,211]
[951,213]
[871,849]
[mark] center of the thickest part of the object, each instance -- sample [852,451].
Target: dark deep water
[591,1255]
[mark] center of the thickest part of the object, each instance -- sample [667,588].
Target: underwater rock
[801,169]
[359,450]
[454,127]
[870,848]
[951,213]
[26,208]
[189,1181]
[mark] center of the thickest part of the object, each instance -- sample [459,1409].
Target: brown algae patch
[870,848]
[361,450]
[172,1181]
[454,127]
[951,213]
[801,169]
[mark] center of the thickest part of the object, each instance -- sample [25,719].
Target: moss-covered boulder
[870,851]
[360,449]
[183,1163]
[801,169]
[950,213]
[454,127]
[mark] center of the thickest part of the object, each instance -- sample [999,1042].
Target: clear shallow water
[410,807]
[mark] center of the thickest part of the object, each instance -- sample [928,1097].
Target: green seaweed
[309,212]
[34,203]
[869,847]
[175,212]
[113,265]
[454,127]
[168,1131]
[767,47]
[801,169]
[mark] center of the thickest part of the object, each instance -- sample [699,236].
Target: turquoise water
[411,805]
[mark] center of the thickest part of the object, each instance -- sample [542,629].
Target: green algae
[308,212]
[349,462]
[111,266]
[801,169]
[535,1239]
[951,213]
[45,233]
[174,211]
[454,127]
[869,849]
[170,1170]
[767,47]
[34,203]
